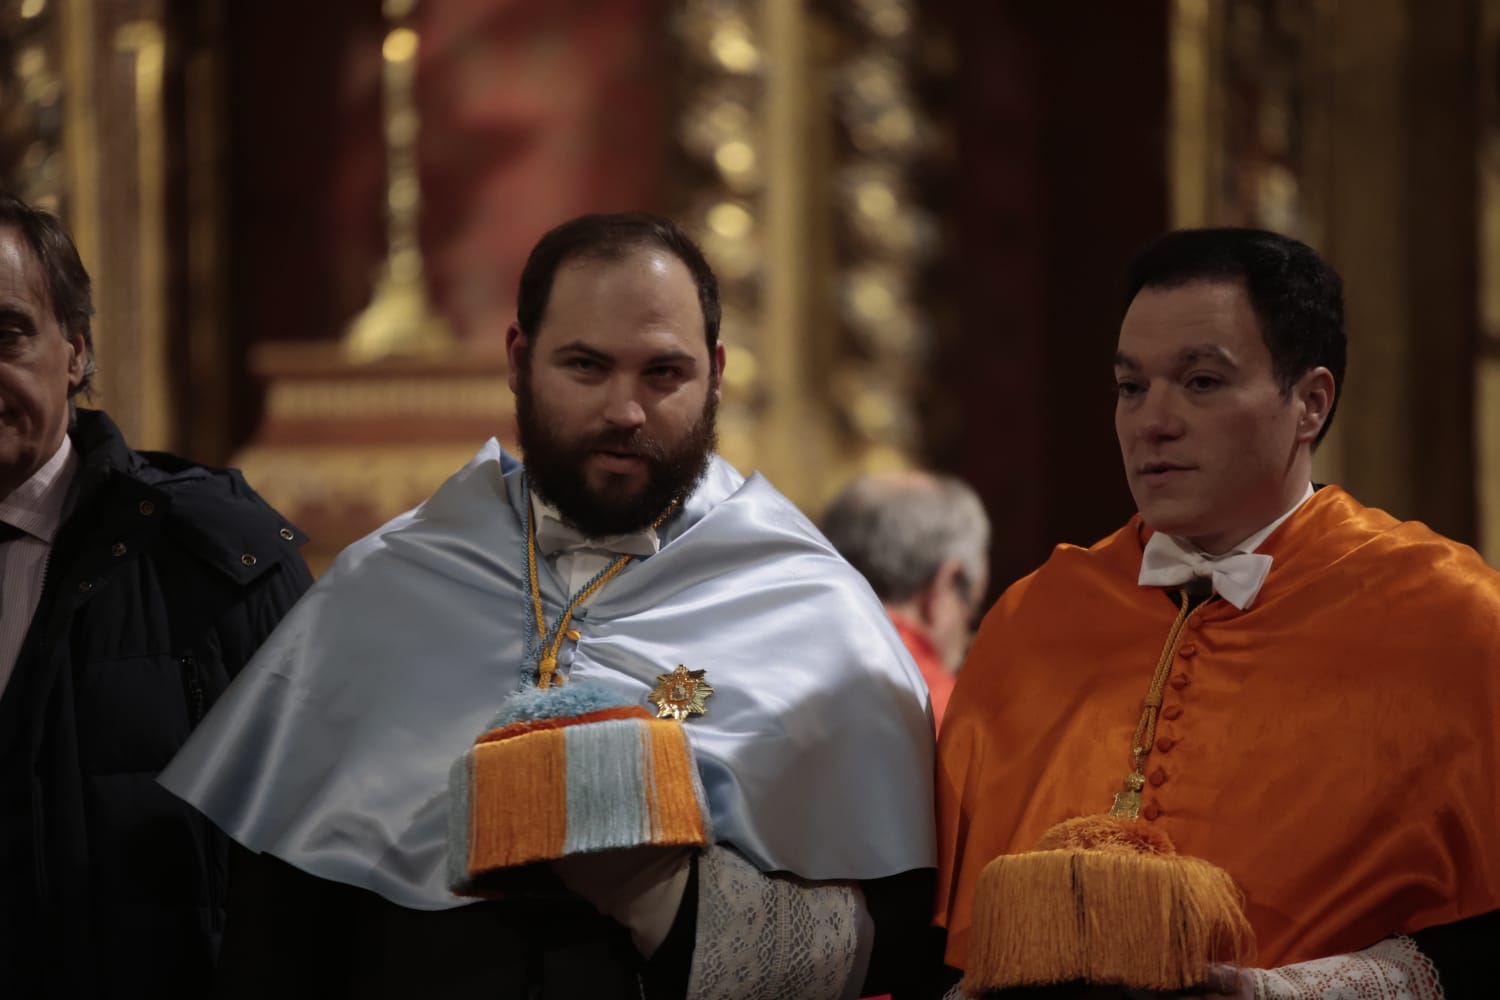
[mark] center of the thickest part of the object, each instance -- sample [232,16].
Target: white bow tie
[553,536]
[1237,576]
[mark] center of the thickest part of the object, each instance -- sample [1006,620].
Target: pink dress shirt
[36,508]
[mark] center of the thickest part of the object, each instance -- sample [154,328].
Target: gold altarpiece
[797,134]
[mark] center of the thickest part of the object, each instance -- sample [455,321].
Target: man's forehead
[1202,316]
[645,302]
[643,257]
[21,277]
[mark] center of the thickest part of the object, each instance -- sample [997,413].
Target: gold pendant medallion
[680,694]
[1128,801]
[1127,805]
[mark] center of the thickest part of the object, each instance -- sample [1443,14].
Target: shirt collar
[36,506]
[1237,575]
[1258,539]
[554,535]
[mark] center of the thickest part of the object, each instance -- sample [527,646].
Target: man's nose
[1159,415]
[623,406]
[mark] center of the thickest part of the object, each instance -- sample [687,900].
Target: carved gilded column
[723,137]
[117,142]
[886,238]
[32,163]
[801,131]
[109,117]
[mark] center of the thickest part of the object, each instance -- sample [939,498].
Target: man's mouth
[618,460]
[1162,468]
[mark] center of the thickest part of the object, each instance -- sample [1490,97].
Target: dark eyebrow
[1205,352]
[1185,357]
[11,314]
[656,360]
[579,347]
[671,358]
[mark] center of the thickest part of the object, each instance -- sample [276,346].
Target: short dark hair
[610,237]
[68,284]
[1298,299]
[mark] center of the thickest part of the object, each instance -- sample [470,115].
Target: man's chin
[1171,518]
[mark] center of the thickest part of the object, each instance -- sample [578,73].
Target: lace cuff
[1394,969]
[762,936]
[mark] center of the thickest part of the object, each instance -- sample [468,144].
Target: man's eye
[1203,383]
[666,371]
[1125,390]
[584,364]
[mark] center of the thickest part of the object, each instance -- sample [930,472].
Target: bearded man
[622,557]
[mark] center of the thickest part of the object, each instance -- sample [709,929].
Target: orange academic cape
[1336,747]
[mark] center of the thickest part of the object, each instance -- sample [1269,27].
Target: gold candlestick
[399,319]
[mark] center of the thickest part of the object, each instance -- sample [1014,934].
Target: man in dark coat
[133,586]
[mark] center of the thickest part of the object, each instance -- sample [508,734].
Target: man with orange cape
[1323,723]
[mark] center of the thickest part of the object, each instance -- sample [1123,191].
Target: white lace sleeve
[766,937]
[1394,969]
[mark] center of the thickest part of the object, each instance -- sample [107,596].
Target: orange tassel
[676,815]
[1108,902]
[518,809]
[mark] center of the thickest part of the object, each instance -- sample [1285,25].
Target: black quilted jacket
[163,580]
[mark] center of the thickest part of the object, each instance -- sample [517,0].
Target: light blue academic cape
[331,750]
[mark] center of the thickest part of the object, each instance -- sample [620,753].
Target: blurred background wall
[305,222]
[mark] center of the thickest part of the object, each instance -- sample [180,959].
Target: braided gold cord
[547,666]
[1127,803]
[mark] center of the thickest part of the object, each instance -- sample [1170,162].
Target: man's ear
[929,598]
[78,360]
[719,357]
[516,346]
[1315,393]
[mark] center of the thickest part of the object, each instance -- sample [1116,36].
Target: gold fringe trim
[1126,911]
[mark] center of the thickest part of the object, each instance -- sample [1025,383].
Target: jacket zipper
[193,686]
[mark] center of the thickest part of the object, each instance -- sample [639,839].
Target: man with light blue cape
[703,758]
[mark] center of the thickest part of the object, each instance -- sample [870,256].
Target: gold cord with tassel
[546,670]
[1107,900]
[1127,804]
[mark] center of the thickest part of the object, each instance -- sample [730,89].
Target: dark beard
[554,468]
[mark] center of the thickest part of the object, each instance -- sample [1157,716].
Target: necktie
[1237,577]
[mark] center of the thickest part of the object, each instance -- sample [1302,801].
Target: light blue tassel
[607,789]
[571,699]
[460,777]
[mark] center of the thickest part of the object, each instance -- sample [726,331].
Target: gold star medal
[680,694]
